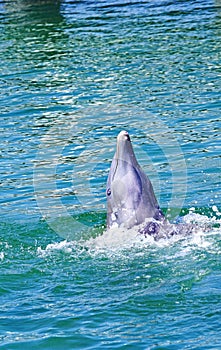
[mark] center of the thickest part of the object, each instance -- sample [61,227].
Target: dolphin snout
[123,136]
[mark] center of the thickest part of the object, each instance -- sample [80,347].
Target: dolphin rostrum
[130,196]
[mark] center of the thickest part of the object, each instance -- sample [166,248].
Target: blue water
[74,74]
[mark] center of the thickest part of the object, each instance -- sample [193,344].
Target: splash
[63,246]
[121,242]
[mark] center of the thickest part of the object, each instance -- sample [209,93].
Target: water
[73,74]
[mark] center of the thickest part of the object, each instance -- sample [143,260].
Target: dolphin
[130,196]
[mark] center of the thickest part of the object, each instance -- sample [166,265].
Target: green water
[73,74]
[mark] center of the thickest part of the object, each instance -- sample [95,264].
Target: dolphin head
[130,195]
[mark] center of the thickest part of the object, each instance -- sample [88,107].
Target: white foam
[63,246]
[199,219]
[118,238]
[216,210]
[120,241]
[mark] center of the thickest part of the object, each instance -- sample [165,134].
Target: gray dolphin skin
[130,195]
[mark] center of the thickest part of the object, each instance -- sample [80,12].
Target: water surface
[73,74]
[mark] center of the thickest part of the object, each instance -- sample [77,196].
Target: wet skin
[130,195]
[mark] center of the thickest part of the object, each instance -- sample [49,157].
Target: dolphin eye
[108,192]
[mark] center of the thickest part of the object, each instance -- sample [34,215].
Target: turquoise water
[73,75]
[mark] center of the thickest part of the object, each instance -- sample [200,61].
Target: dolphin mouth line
[125,134]
[115,170]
